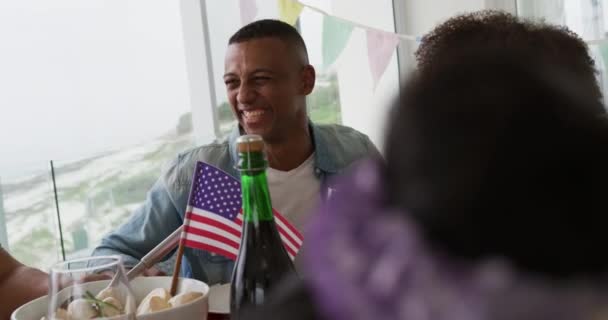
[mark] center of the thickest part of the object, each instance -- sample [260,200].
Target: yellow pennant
[289,10]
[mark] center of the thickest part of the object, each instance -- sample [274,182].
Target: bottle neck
[254,186]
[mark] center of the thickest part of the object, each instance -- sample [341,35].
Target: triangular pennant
[289,10]
[249,10]
[380,48]
[335,36]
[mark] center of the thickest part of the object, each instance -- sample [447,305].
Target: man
[18,284]
[268,77]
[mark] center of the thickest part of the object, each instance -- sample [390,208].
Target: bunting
[337,31]
[380,48]
[249,10]
[289,10]
[335,36]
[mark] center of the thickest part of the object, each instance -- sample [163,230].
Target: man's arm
[151,223]
[18,284]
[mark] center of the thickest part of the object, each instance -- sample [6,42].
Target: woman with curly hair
[491,203]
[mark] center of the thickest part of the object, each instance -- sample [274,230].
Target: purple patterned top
[367,261]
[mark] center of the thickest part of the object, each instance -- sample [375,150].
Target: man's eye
[261,79]
[231,83]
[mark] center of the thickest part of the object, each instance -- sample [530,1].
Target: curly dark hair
[500,31]
[498,154]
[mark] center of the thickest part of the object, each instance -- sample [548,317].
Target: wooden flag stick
[180,250]
[176,269]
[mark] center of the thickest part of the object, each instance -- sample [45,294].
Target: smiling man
[267,77]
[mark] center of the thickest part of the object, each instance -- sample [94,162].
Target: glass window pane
[97,194]
[27,207]
[324,102]
[585,17]
[101,87]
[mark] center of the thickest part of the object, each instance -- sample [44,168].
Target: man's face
[266,84]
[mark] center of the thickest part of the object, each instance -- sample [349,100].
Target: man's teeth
[255,113]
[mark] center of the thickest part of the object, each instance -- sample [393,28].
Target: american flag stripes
[214,219]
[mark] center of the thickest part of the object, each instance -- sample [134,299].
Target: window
[97,194]
[100,87]
[27,211]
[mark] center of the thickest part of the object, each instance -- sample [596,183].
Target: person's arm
[151,223]
[18,284]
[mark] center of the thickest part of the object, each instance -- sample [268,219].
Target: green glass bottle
[262,261]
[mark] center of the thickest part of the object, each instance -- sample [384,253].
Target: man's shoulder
[335,134]
[339,146]
[180,170]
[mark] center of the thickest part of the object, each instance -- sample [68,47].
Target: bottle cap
[250,143]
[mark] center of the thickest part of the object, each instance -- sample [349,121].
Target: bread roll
[81,309]
[156,300]
[184,298]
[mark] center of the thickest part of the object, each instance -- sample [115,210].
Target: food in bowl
[107,304]
[88,306]
[160,299]
[140,287]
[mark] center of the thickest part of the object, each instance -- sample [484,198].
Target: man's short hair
[269,28]
[497,154]
[498,30]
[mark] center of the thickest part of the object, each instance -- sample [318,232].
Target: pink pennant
[249,11]
[380,48]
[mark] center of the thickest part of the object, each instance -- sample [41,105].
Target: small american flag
[214,218]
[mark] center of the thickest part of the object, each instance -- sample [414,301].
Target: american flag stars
[211,193]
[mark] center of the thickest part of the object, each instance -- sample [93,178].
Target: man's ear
[308,76]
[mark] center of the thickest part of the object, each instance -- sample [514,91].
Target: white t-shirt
[295,193]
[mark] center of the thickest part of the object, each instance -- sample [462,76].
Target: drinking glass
[76,291]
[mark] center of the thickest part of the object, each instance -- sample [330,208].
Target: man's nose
[246,94]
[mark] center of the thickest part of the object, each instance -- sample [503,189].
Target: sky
[80,77]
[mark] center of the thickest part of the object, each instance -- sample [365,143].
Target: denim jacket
[336,147]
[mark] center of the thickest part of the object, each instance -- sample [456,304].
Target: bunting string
[407,37]
[356,24]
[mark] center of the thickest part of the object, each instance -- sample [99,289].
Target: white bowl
[197,309]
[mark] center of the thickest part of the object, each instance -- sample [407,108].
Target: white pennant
[380,48]
[249,10]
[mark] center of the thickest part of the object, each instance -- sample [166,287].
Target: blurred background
[96,96]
